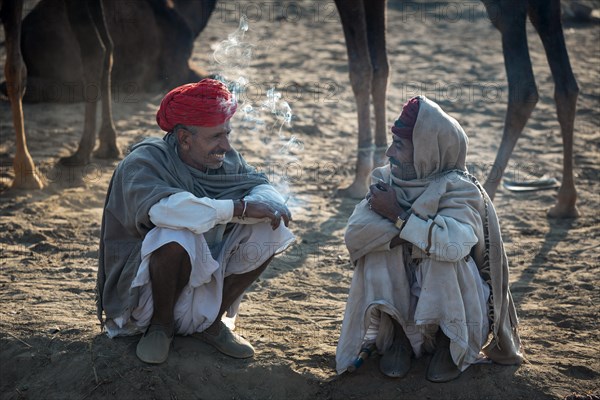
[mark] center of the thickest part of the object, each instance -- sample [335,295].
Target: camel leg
[92,56]
[352,14]
[26,175]
[546,19]
[376,25]
[108,136]
[522,92]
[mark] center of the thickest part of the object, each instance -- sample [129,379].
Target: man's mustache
[394,162]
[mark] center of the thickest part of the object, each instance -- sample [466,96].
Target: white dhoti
[451,295]
[244,248]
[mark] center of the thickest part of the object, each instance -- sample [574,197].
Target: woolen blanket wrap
[443,183]
[152,171]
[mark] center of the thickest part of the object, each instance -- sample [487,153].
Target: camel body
[153,42]
[364,26]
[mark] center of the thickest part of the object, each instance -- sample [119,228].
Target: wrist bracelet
[245,205]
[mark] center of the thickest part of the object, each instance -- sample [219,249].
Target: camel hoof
[76,160]
[562,211]
[108,153]
[30,182]
[354,191]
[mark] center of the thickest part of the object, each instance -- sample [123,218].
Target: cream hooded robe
[453,273]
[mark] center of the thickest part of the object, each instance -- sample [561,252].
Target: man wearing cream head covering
[188,225]
[431,273]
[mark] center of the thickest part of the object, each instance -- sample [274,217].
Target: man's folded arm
[183,210]
[442,238]
[264,193]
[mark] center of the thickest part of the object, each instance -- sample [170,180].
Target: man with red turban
[188,225]
[431,273]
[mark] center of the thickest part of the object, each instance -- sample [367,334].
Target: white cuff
[224,210]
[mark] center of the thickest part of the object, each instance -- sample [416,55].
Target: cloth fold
[245,248]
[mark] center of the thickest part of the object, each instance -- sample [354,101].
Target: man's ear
[183,136]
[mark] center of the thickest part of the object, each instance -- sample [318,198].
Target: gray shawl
[150,172]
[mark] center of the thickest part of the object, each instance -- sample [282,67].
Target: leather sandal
[153,347]
[395,362]
[227,342]
[441,367]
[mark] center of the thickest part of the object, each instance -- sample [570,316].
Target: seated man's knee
[266,263]
[170,252]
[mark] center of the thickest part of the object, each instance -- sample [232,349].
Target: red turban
[404,125]
[206,103]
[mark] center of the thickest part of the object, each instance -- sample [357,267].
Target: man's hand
[274,211]
[382,200]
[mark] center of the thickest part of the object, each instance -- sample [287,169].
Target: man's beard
[394,162]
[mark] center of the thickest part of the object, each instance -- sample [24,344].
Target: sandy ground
[51,346]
